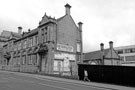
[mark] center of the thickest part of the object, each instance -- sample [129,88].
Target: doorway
[43,62]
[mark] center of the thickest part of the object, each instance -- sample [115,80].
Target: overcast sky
[104,20]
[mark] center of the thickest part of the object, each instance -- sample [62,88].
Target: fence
[122,75]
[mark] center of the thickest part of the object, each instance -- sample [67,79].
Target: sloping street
[23,81]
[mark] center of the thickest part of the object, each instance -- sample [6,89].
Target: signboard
[64,55]
[63,47]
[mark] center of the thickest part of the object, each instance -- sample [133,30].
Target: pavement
[97,86]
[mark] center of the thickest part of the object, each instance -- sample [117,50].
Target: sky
[103,20]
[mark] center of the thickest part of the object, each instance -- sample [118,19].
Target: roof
[15,35]
[124,47]
[61,18]
[7,34]
[28,34]
[95,54]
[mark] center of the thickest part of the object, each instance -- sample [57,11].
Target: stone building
[103,56]
[55,46]
[6,41]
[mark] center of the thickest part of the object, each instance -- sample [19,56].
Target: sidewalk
[92,84]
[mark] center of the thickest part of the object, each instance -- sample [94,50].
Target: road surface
[21,81]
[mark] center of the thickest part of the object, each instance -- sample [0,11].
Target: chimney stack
[80,26]
[102,46]
[111,44]
[19,30]
[67,7]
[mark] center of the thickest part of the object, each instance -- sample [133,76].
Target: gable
[66,29]
[112,54]
[6,33]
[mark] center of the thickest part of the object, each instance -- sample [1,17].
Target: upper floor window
[133,50]
[44,34]
[19,45]
[120,51]
[15,47]
[30,42]
[78,47]
[36,39]
[24,44]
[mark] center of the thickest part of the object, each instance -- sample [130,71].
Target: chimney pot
[111,44]
[80,26]
[67,7]
[19,30]
[102,46]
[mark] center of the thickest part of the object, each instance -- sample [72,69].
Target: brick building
[103,56]
[55,46]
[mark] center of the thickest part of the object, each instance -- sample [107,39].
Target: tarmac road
[23,81]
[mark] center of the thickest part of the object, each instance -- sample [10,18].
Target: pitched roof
[28,34]
[16,35]
[95,54]
[61,18]
[7,34]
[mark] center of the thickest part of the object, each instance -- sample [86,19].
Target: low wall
[18,68]
[28,68]
[122,75]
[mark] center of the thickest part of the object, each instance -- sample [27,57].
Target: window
[36,39]
[15,47]
[130,58]
[30,42]
[24,59]
[44,34]
[120,51]
[133,50]
[18,61]
[19,45]
[24,44]
[29,59]
[34,58]
[78,47]
[128,50]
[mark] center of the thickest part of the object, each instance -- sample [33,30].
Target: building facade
[127,54]
[54,47]
[103,56]
[6,40]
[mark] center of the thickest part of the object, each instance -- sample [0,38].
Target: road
[20,81]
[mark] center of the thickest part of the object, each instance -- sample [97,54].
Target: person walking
[86,76]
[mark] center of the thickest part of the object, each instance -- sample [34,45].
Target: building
[6,40]
[103,56]
[54,47]
[127,54]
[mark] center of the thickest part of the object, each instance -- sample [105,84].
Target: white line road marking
[54,86]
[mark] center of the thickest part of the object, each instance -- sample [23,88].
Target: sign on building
[63,47]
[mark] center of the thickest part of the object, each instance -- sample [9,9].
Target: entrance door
[72,67]
[43,62]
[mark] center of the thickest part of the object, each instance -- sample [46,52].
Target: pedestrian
[86,76]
